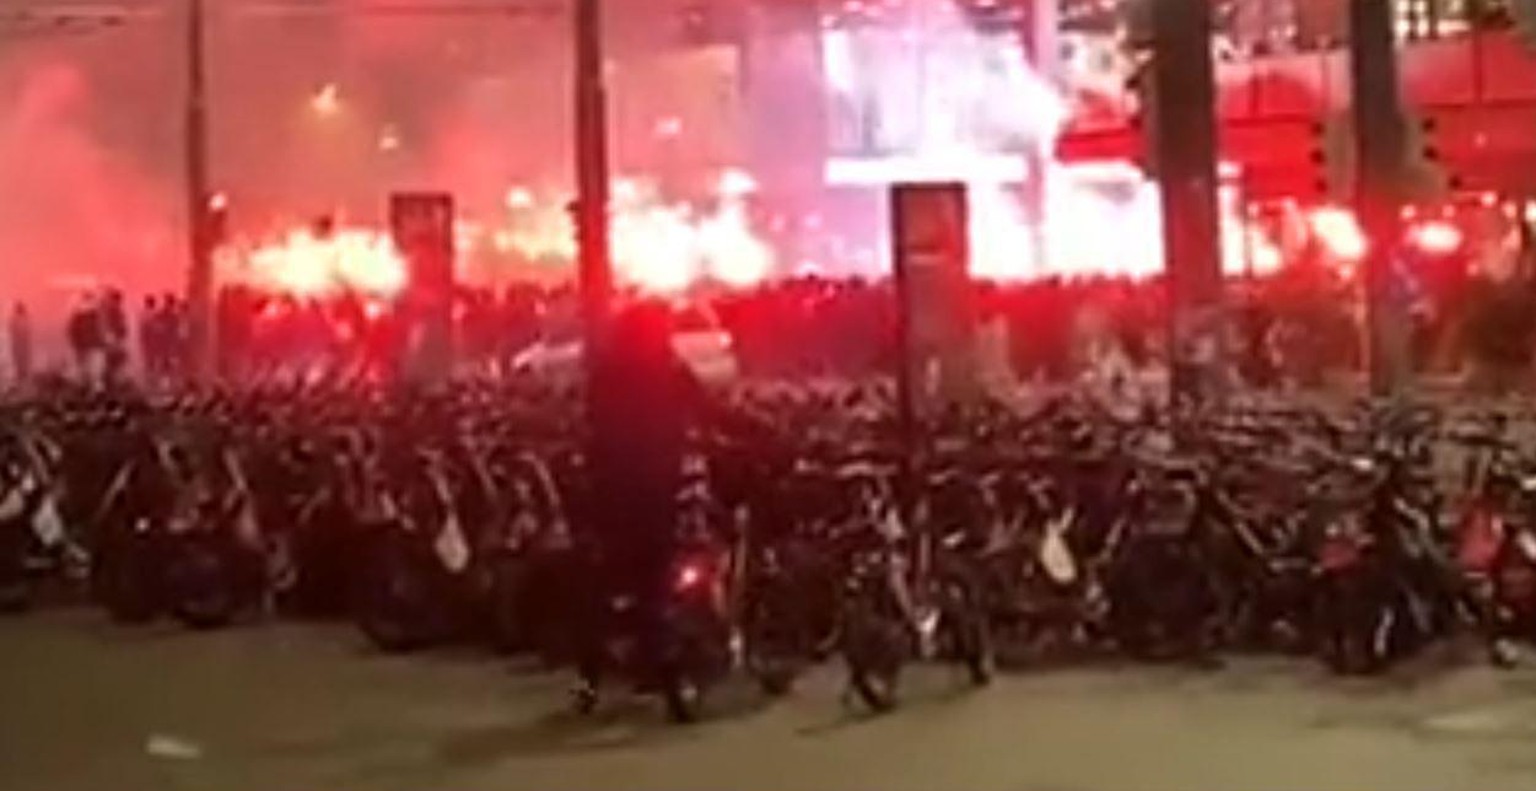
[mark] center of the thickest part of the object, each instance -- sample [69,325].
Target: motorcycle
[691,654]
[1158,584]
[891,616]
[215,563]
[529,563]
[127,560]
[1369,611]
[414,589]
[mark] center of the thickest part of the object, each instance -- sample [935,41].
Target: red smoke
[75,210]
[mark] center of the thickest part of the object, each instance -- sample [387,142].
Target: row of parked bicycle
[1055,536]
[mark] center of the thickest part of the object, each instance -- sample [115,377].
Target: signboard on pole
[935,316]
[422,227]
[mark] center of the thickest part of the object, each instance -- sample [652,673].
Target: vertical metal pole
[1527,266]
[200,286]
[1381,145]
[591,210]
[1245,223]
[1041,38]
[1479,66]
[1184,117]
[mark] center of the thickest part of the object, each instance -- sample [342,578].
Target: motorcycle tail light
[690,576]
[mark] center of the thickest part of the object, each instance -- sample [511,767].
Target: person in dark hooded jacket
[644,401]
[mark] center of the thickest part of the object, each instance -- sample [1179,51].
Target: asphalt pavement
[92,707]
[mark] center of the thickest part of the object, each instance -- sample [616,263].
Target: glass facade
[1257,27]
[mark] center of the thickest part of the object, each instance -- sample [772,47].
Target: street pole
[1042,46]
[591,209]
[1381,145]
[1183,120]
[200,286]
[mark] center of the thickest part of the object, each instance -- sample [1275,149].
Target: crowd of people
[107,342]
[793,329]
[1297,328]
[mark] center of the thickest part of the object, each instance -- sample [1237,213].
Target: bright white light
[625,191]
[1002,243]
[657,247]
[299,263]
[1436,237]
[736,183]
[965,166]
[519,198]
[326,101]
[1339,232]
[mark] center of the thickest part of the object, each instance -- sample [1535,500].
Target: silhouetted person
[21,343]
[85,339]
[114,328]
[152,339]
[177,332]
[643,401]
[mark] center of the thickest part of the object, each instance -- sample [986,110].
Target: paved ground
[88,707]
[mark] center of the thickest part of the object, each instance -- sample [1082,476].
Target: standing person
[21,343]
[114,325]
[176,337]
[644,401]
[85,338]
[152,340]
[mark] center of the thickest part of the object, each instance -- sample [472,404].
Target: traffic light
[1428,176]
[1332,156]
[1317,157]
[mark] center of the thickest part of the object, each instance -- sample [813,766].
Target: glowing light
[519,198]
[1339,232]
[1436,237]
[731,252]
[218,201]
[669,127]
[1267,258]
[689,577]
[657,247]
[302,264]
[735,183]
[327,100]
[625,191]
[389,139]
[969,167]
[653,248]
